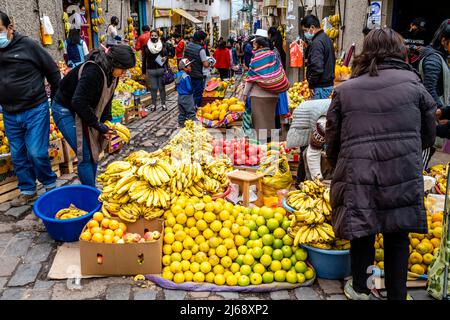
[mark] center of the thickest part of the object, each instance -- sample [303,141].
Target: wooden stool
[244,180]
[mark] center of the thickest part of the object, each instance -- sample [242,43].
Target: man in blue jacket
[320,59]
[186,104]
[24,66]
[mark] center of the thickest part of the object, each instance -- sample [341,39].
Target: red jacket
[179,49]
[223,60]
[142,41]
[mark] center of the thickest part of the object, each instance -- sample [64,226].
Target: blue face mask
[309,35]
[4,40]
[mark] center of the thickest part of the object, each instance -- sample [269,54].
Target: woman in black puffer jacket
[435,73]
[377,125]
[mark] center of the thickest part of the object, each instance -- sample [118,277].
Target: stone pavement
[27,252]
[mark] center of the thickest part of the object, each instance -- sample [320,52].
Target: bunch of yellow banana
[212,186]
[314,188]
[295,199]
[197,189]
[323,246]
[133,211]
[341,244]
[310,212]
[317,233]
[187,173]
[155,171]
[122,131]
[70,213]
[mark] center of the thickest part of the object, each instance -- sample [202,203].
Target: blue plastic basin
[46,207]
[329,264]
[287,207]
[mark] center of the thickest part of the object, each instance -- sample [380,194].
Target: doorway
[72,7]
[138,11]
[434,12]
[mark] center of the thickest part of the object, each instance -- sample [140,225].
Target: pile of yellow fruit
[4,145]
[423,247]
[440,173]
[129,85]
[342,72]
[298,93]
[218,109]
[225,244]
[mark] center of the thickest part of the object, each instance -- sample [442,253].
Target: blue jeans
[65,121]
[198,85]
[322,93]
[28,133]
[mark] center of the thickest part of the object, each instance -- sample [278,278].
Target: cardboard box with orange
[110,247]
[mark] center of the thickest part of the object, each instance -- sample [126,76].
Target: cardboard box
[69,154]
[6,164]
[56,151]
[125,259]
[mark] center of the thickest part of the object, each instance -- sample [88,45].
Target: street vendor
[307,132]
[83,103]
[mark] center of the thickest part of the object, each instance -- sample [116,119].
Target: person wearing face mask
[195,52]
[112,37]
[153,66]
[79,22]
[83,103]
[435,73]
[320,59]
[24,67]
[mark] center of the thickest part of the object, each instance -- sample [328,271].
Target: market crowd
[378,129]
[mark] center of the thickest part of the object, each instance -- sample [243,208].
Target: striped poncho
[267,71]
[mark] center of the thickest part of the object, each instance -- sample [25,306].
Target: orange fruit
[118,232]
[97,237]
[109,232]
[96,230]
[98,216]
[86,236]
[92,224]
[114,224]
[438,217]
[105,223]
[123,226]
[107,238]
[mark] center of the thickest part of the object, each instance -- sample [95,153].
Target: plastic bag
[296,54]
[276,175]
[282,105]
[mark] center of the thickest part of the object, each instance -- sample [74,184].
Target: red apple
[148,236]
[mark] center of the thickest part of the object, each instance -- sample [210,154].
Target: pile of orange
[103,230]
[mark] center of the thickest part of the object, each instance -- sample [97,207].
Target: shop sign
[374,19]
[160,13]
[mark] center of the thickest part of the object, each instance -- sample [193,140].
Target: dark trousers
[301,171]
[396,254]
[224,73]
[198,85]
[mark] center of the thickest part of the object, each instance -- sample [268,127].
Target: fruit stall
[180,210]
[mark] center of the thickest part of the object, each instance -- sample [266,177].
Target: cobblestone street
[27,252]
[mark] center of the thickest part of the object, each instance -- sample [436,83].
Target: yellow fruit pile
[440,173]
[342,72]
[4,144]
[423,247]
[101,229]
[218,109]
[298,93]
[129,85]
[332,33]
[225,244]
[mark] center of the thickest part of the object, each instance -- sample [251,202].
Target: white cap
[261,33]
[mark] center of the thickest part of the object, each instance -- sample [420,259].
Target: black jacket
[433,76]
[376,130]
[443,130]
[82,96]
[24,65]
[320,62]
[148,60]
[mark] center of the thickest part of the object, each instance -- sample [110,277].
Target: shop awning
[187,15]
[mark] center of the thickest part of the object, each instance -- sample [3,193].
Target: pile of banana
[310,212]
[314,234]
[70,213]
[121,130]
[133,211]
[155,171]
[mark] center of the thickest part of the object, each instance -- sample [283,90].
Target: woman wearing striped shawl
[265,80]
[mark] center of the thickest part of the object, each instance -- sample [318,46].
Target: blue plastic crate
[46,207]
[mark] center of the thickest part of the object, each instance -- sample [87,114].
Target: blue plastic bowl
[287,207]
[329,264]
[83,197]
